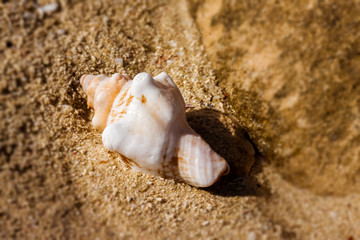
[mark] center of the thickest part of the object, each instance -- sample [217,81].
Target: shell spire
[144,120]
[101,91]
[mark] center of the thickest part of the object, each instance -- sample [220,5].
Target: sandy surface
[57,180]
[291,70]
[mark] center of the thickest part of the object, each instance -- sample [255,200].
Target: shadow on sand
[225,136]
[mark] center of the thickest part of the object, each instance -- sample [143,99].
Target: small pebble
[105,19]
[205,223]
[251,236]
[119,61]
[66,108]
[160,200]
[60,31]
[47,9]
[172,43]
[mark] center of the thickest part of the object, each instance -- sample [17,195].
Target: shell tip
[227,170]
[82,79]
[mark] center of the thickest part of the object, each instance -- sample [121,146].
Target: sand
[57,180]
[291,70]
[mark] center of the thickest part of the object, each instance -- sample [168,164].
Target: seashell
[144,120]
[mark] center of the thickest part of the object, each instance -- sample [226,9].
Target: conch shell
[144,120]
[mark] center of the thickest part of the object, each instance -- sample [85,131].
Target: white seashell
[144,120]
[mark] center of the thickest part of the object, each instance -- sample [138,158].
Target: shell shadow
[226,137]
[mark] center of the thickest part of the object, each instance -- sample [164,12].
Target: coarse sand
[58,181]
